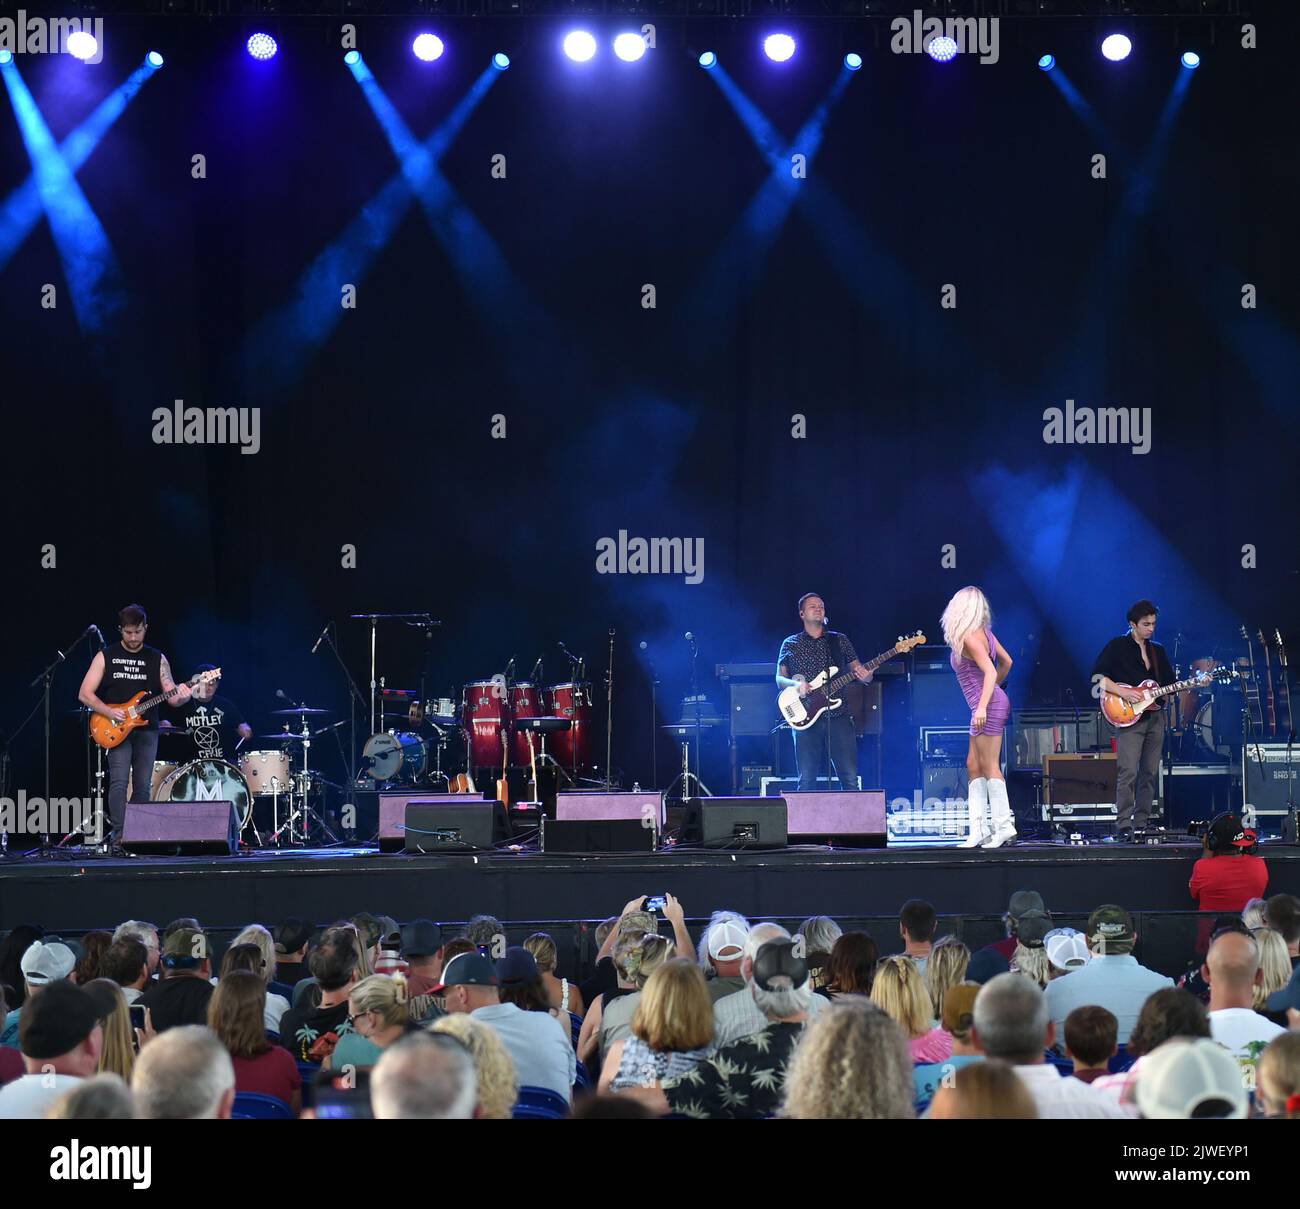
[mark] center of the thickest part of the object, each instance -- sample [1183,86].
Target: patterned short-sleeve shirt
[742,1081]
[804,655]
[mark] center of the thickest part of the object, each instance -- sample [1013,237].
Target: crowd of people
[366,1017]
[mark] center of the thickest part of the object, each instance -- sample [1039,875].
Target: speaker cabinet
[736,822]
[180,828]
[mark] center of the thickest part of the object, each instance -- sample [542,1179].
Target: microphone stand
[609,714]
[654,724]
[354,695]
[46,679]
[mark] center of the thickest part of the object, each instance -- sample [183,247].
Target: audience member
[724,944]
[1189,1079]
[185,1074]
[146,934]
[917,923]
[1232,970]
[560,994]
[739,1015]
[236,1016]
[117,1054]
[899,991]
[1282,914]
[1166,1014]
[1020,903]
[1277,1089]
[12,948]
[498,1085]
[957,1018]
[182,995]
[603,976]
[987,963]
[487,934]
[1067,951]
[103,1097]
[292,937]
[1014,1023]
[1030,956]
[41,965]
[852,1064]
[1274,970]
[1113,979]
[820,932]
[249,958]
[90,963]
[310,1030]
[851,965]
[672,1030]
[537,1043]
[611,1108]
[277,992]
[1228,875]
[126,962]
[991,1091]
[636,957]
[1255,914]
[61,1035]
[1090,1041]
[426,1076]
[949,960]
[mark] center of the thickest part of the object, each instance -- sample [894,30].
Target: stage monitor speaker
[851,819]
[180,828]
[392,813]
[597,835]
[453,823]
[736,822]
[946,780]
[579,807]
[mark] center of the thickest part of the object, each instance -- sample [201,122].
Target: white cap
[1188,1074]
[44,963]
[727,934]
[1067,949]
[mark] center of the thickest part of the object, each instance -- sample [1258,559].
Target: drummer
[215,723]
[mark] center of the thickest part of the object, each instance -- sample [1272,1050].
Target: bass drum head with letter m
[209,781]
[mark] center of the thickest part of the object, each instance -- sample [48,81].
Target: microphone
[643,645]
[537,667]
[285,697]
[319,640]
[94,629]
[689,636]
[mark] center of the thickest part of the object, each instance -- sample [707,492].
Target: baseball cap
[466,969]
[421,938]
[61,1017]
[777,968]
[185,949]
[959,1007]
[46,963]
[1226,831]
[1191,1077]
[726,935]
[517,966]
[1032,928]
[291,934]
[369,928]
[1067,949]
[986,964]
[1025,900]
[1111,928]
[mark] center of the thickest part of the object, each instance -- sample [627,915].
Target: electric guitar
[109,734]
[1268,679]
[802,712]
[1123,714]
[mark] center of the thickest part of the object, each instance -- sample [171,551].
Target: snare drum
[525,702]
[486,718]
[573,747]
[209,781]
[162,769]
[394,755]
[267,772]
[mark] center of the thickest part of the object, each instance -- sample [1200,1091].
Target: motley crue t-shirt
[213,726]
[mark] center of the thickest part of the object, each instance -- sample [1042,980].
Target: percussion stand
[686,777]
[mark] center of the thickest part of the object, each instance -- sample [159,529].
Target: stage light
[154,59]
[1046,62]
[778,47]
[1116,47]
[262,46]
[82,45]
[629,47]
[852,61]
[352,57]
[428,47]
[708,59]
[942,49]
[1191,60]
[6,56]
[500,61]
[579,45]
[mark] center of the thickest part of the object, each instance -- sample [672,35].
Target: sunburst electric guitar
[110,734]
[1123,714]
[802,712]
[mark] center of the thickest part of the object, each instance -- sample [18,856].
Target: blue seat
[254,1106]
[540,1104]
[1064,1066]
[308,1071]
[1121,1062]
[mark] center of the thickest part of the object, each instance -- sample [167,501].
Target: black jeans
[832,734]
[1137,768]
[134,757]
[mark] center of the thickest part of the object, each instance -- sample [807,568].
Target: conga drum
[485,716]
[572,748]
[525,702]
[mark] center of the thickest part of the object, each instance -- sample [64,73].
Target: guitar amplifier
[1081,788]
[1036,733]
[1269,780]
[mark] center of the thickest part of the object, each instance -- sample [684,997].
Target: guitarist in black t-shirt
[116,674]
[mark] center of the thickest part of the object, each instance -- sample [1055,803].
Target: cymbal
[285,735]
[296,712]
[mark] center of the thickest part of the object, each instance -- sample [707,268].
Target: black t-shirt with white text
[213,726]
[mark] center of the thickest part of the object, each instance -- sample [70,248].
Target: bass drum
[525,702]
[162,769]
[486,719]
[209,781]
[394,755]
[572,748]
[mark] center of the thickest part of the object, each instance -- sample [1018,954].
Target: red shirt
[1228,883]
[11,1064]
[272,1073]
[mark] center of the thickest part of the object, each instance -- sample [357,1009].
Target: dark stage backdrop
[799,399]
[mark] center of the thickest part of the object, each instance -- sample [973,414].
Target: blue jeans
[133,757]
[833,735]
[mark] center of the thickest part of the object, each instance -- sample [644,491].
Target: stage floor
[70,894]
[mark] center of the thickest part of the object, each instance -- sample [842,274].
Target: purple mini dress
[971,680]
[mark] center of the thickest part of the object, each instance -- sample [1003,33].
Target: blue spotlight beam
[89,265]
[21,210]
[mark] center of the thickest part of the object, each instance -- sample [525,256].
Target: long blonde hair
[944,968]
[118,1054]
[967,612]
[1275,963]
[498,1085]
[257,935]
[899,991]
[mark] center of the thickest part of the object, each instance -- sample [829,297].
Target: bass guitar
[802,712]
[109,734]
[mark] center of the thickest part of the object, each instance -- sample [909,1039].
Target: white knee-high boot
[977,799]
[1004,823]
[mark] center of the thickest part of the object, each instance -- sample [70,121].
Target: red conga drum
[572,748]
[525,702]
[485,717]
